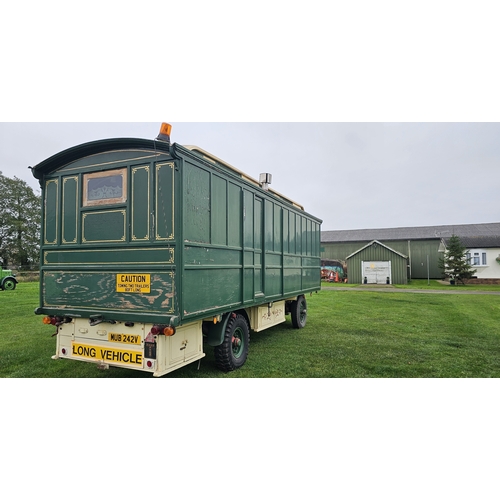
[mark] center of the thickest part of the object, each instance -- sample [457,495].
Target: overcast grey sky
[351,175]
[369,114]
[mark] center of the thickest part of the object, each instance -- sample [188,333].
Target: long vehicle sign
[121,356]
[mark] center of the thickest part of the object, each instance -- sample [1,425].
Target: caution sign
[133,283]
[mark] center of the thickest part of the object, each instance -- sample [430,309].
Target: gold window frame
[105,201]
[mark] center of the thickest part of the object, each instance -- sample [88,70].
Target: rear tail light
[168,331]
[56,320]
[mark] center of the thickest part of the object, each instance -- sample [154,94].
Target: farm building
[377,263]
[422,246]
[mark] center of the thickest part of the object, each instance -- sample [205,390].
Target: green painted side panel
[51,212]
[278,229]
[248,285]
[258,276]
[286,236]
[235,239]
[206,290]
[309,277]
[258,246]
[292,261]
[136,257]
[70,214]
[257,217]
[292,280]
[268,226]
[96,291]
[248,258]
[248,219]
[252,228]
[104,226]
[309,262]
[234,219]
[211,256]
[292,236]
[273,282]
[298,234]
[273,260]
[141,202]
[316,239]
[164,202]
[307,237]
[218,211]
[196,204]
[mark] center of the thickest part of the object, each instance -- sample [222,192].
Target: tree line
[20,218]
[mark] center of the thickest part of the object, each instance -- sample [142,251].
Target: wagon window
[105,188]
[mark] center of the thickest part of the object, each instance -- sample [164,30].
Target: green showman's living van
[149,249]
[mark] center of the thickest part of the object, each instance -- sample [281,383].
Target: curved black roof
[90,148]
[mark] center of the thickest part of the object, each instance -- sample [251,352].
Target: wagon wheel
[233,351]
[298,311]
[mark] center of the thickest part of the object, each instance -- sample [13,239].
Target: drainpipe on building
[409,256]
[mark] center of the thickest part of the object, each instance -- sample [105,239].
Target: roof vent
[265,180]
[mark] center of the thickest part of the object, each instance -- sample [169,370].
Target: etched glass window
[104,188]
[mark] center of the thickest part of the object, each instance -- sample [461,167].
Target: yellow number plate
[133,283]
[119,356]
[124,338]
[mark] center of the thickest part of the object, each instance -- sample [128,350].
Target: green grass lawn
[348,334]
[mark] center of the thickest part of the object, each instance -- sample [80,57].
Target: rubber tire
[298,312]
[229,356]
[8,284]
